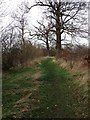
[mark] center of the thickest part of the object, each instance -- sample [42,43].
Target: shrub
[19,56]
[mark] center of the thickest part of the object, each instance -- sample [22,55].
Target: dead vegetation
[28,102]
[79,69]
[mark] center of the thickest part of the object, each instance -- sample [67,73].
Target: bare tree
[44,34]
[20,21]
[66,17]
[8,38]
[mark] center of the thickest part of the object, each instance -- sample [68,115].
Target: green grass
[14,83]
[58,96]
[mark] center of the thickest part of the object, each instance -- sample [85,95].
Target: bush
[20,56]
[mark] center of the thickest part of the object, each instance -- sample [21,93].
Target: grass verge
[61,97]
[45,90]
[17,85]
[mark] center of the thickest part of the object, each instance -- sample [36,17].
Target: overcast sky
[35,13]
[12,5]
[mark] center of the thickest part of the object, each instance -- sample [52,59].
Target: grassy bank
[44,90]
[17,87]
[61,97]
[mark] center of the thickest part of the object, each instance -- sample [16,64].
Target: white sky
[11,5]
[35,13]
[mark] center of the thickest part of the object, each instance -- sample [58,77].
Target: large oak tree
[66,17]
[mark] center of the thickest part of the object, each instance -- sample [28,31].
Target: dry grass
[36,76]
[28,101]
[77,68]
[24,99]
[27,96]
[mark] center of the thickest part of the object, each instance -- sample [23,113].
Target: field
[46,89]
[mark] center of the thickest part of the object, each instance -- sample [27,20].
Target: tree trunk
[58,33]
[47,46]
[58,42]
[58,45]
[23,40]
